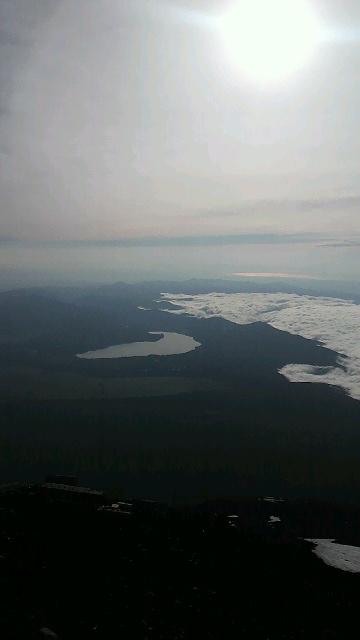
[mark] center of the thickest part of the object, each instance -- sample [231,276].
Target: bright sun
[270,39]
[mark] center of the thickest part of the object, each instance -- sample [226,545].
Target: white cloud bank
[333,322]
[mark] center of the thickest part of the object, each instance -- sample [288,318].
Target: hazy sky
[124,118]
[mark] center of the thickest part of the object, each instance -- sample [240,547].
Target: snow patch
[274,519]
[339,556]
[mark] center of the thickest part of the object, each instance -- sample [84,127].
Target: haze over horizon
[104,138]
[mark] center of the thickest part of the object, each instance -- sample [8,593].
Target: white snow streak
[340,556]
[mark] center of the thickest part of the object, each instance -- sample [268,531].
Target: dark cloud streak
[158,241]
[298,205]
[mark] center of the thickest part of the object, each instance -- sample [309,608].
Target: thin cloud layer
[333,322]
[124,120]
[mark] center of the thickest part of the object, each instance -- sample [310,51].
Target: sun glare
[270,39]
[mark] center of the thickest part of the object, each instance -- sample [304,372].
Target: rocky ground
[79,565]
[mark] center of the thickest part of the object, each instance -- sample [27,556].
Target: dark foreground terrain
[75,564]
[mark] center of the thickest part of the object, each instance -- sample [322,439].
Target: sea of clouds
[333,322]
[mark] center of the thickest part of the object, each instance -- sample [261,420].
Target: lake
[169,344]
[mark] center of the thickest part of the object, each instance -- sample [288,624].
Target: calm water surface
[168,345]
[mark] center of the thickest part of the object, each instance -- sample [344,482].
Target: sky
[124,121]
